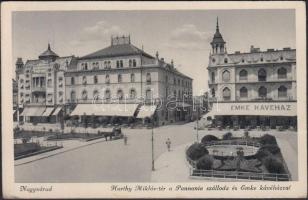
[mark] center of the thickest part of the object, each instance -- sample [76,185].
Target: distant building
[124,74]
[41,87]
[257,88]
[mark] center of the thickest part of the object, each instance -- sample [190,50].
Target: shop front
[254,115]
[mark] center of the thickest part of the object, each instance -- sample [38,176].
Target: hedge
[196,151]
[208,138]
[268,139]
[205,162]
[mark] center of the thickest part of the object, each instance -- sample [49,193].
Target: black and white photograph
[201,99]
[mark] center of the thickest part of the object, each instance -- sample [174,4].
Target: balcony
[38,89]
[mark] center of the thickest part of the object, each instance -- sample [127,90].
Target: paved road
[112,161]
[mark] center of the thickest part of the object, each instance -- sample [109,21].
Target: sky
[183,36]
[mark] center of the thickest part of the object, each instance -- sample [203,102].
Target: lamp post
[197,124]
[152,140]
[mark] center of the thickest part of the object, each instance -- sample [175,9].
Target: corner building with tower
[253,89]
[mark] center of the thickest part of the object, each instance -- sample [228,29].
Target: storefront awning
[33,111]
[57,110]
[146,111]
[256,109]
[48,111]
[124,110]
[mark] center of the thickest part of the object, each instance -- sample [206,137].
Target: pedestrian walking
[125,140]
[106,136]
[168,143]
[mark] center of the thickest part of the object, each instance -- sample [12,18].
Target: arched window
[84,95]
[174,93]
[132,94]
[130,63]
[119,78]
[179,94]
[262,75]
[243,74]
[282,73]
[73,96]
[132,78]
[95,80]
[226,60]
[213,92]
[226,76]
[243,92]
[148,78]
[107,94]
[107,79]
[148,94]
[86,66]
[105,64]
[226,93]
[282,91]
[213,77]
[262,92]
[118,63]
[120,94]
[72,81]
[134,63]
[95,94]
[109,64]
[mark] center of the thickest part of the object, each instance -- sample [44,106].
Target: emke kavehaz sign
[268,109]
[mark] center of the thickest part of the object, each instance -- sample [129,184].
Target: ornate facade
[251,78]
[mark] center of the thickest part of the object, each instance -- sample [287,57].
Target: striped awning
[124,110]
[57,110]
[48,111]
[146,111]
[33,111]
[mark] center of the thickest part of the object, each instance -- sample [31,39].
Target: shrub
[208,138]
[205,162]
[268,139]
[196,151]
[273,149]
[262,153]
[273,165]
[227,136]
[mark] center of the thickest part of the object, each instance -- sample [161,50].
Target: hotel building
[139,83]
[41,87]
[256,88]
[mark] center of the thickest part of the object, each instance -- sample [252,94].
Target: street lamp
[197,124]
[152,140]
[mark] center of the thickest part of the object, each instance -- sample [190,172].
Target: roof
[255,57]
[217,36]
[48,53]
[117,50]
[60,60]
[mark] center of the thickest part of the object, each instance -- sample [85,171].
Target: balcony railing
[38,89]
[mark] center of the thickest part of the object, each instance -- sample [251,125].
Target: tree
[196,151]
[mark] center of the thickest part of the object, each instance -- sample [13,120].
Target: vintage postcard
[154,99]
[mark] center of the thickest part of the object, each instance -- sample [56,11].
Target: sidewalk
[172,166]
[68,145]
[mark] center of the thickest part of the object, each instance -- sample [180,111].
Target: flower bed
[265,157]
